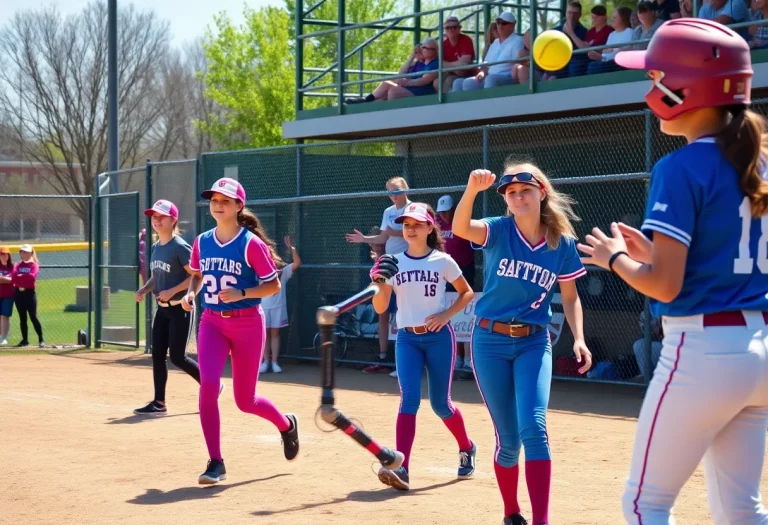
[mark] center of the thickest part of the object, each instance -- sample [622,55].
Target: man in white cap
[462,252]
[505,47]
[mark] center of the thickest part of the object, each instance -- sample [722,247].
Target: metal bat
[326,322]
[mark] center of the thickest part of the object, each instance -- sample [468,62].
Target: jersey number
[744,263]
[430,290]
[539,301]
[212,288]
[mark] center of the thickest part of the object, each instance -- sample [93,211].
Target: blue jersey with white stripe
[243,262]
[519,277]
[695,199]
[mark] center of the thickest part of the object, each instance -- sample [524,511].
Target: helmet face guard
[693,64]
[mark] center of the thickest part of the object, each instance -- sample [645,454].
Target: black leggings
[26,303]
[170,330]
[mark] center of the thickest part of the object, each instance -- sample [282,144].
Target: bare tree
[53,89]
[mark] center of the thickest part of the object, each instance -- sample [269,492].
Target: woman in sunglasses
[527,252]
[701,258]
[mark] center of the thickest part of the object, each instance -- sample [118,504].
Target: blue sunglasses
[524,177]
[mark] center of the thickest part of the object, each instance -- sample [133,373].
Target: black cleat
[391,459]
[215,472]
[397,479]
[291,438]
[23,344]
[514,519]
[467,462]
[153,408]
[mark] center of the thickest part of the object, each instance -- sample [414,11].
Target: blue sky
[188,18]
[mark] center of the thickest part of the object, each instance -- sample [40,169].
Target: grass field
[60,327]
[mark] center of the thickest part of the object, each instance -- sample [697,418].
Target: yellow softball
[552,50]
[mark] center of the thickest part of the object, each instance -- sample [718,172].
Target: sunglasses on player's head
[524,177]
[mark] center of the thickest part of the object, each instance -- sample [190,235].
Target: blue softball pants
[436,351]
[514,375]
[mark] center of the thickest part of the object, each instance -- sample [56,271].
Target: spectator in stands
[597,35]
[726,12]
[666,9]
[602,62]
[648,23]
[638,348]
[458,50]
[686,8]
[503,48]
[423,84]
[634,21]
[461,251]
[490,35]
[759,34]
[572,26]
[414,63]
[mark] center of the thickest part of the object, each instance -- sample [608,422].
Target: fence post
[533,33]
[299,101]
[97,264]
[89,339]
[416,23]
[148,202]
[647,342]
[340,55]
[440,66]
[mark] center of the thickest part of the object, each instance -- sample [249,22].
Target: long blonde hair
[556,208]
[34,257]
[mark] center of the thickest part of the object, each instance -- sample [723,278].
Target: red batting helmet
[697,63]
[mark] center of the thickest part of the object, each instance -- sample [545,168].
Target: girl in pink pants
[234,268]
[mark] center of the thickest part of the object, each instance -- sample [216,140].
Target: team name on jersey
[447,234]
[418,276]
[526,271]
[25,269]
[160,265]
[221,264]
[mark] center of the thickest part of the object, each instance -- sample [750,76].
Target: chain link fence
[59,230]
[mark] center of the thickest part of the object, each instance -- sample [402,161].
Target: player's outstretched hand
[187,301]
[355,237]
[384,268]
[639,247]
[480,180]
[600,247]
[583,356]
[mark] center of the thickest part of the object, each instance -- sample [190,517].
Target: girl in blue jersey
[526,254]
[702,259]
[425,337]
[234,265]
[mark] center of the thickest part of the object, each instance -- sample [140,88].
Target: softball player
[526,253]
[234,262]
[704,265]
[171,326]
[425,335]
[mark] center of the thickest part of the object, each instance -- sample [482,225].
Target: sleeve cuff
[269,277]
[572,276]
[485,242]
[668,230]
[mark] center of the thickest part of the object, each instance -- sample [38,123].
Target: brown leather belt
[511,330]
[418,330]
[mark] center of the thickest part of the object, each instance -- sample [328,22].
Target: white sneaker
[276,368]
[4,342]
[459,364]
[264,367]
[393,374]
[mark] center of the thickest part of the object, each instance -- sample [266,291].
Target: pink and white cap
[417,211]
[227,187]
[163,207]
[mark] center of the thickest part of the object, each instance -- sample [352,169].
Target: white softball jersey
[419,285]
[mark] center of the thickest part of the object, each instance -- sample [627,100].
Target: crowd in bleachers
[504,43]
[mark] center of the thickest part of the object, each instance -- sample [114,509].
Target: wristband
[613,259]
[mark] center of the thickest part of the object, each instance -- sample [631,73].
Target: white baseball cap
[445,203]
[507,16]
[26,248]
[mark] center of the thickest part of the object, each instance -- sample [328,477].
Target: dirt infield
[77,455]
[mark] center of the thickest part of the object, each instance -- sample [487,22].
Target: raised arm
[463,225]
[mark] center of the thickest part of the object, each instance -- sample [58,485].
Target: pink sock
[455,424]
[538,475]
[405,433]
[506,477]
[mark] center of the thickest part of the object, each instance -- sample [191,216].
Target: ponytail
[248,220]
[435,239]
[34,257]
[743,142]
